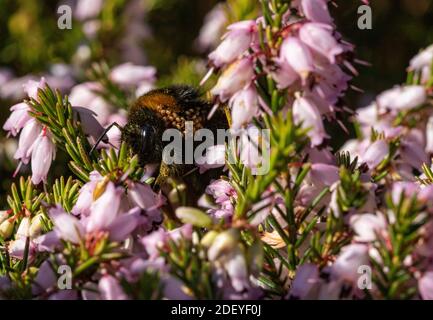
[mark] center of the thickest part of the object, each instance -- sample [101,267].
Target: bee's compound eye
[147,136]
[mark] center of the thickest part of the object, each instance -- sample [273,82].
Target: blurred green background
[165,35]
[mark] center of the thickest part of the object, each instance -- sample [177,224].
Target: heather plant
[320,223]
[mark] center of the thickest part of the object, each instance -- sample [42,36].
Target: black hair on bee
[158,110]
[161,109]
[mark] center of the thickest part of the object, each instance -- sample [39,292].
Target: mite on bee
[161,109]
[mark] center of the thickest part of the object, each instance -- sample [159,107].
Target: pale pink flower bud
[316,10]
[284,75]
[223,193]
[6,228]
[224,243]
[306,282]
[91,28]
[18,119]
[85,198]
[237,76]
[221,190]
[306,112]
[45,279]
[402,98]
[23,228]
[367,226]
[43,153]
[66,226]
[348,262]
[331,84]
[324,174]
[87,9]
[426,194]
[128,74]
[425,285]
[298,56]
[110,289]
[237,270]
[104,210]
[17,249]
[153,242]
[90,125]
[143,88]
[213,26]
[84,95]
[422,63]
[319,37]
[375,153]
[405,189]
[413,153]
[27,139]
[36,224]
[32,87]
[124,224]
[183,232]
[324,156]
[174,289]
[236,41]
[422,59]
[429,135]
[244,106]
[5,75]
[115,135]
[252,147]
[368,115]
[214,157]
[142,195]
[13,89]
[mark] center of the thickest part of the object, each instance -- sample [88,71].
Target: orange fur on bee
[157,101]
[167,108]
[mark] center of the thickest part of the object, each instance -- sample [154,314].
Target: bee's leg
[103,137]
[173,188]
[166,171]
[171,183]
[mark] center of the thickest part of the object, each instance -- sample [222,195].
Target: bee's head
[143,133]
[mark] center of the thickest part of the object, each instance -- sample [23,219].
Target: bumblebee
[165,108]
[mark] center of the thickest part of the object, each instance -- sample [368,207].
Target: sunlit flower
[425,286]
[319,38]
[316,10]
[298,56]
[305,113]
[236,41]
[110,289]
[237,76]
[43,153]
[245,106]
[18,119]
[402,98]
[32,87]
[128,74]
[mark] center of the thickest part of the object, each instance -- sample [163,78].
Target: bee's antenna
[190,171]
[103,135]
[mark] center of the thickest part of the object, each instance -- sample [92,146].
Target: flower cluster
[35,140]
[308,63]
